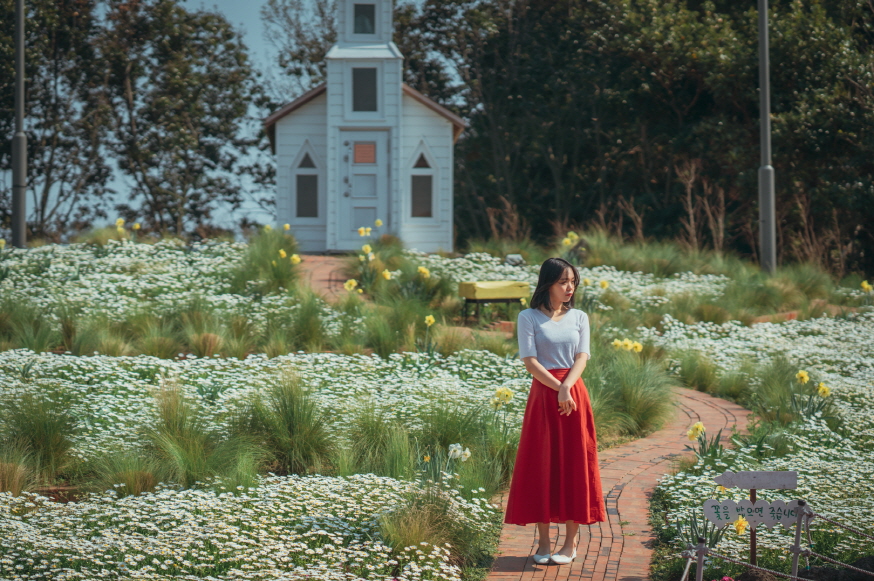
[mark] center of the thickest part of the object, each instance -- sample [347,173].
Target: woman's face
[562,290]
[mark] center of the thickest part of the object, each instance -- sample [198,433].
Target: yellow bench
[492,291]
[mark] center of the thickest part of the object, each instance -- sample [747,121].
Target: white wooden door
[363,184]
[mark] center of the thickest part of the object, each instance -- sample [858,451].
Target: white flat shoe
[562,560]
[541,559]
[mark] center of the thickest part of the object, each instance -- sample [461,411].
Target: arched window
[422,188]
[306,188]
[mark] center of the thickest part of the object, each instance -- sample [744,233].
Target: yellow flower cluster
[628,345]
[119,223]
[366,249]
[802,376]
[268,228]
[603,284]
[866,286]
[696,430]
[386,274]
[350,284]
[741,524]
[282,253]
[377,222]
[570,239]
[587,282]
[430,320]
[823,390]
[295,259]
[286,227]
[364,231]
[136,226]
[424,272]
[502,396]
[523,302]
[2,243]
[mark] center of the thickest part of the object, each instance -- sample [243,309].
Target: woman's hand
[566,403]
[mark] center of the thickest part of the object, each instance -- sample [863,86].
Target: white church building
[364,146]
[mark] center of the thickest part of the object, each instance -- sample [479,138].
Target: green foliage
[42,428]
[691,529]
[290,427]
[532,252]
[191,453]
[264,270]
[127,473]
[706,449]
[698,372]
[16,467]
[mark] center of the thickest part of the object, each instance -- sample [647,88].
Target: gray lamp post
[19,140]
[767,205]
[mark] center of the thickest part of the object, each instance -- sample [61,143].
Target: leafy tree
[65,125]
[178,85]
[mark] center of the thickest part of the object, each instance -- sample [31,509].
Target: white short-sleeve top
[554,343]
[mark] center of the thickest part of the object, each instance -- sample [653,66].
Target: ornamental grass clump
[268,266]
[26,326]
[16,471]
[127,473]
[41,427]
[378,445]
[290,427]
[697,371]
[192,453]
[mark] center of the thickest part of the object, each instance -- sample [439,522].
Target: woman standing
[556,477]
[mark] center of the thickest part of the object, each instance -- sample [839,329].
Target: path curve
[620,548]
[324,274]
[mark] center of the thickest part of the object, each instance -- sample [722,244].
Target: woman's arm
[540,373]
[576,370]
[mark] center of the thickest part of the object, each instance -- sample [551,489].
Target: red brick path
[620,547]
[323,273]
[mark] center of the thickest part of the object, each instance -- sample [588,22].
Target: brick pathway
[323,273]
[620,547]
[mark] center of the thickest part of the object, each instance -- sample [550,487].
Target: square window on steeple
[365,19]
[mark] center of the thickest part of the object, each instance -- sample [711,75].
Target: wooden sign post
[778,512]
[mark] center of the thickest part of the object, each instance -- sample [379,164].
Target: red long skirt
[556,476]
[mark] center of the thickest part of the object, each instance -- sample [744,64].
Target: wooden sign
[723,512]
[364,152]
[773,480]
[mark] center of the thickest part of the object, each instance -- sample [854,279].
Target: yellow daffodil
[366,249]
[692,435]
[2,243]
[295,259]
[496,403]
[523,302]
[370,256]
[426,457]
[587,282]
[617,343]
[119,229]
[361,231]
[802,376]
[430,320]
[721,488]
[386,274]
[286,227]
[504,394]
[627,344]
[268,228]
[377,222]
[696,430]
[367,231]
[119,223]
[361,291]
[566,242]
[424,272]
[573,235]
[823,390]
[637,347]
[699,426]
[136,226]
[603,284]
[273,262]
[361,257]
[866,286]
[740,525]
[350,284]
[282,253]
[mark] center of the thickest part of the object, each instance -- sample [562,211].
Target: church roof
[458,124]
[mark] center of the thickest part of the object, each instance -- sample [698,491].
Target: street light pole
[767,205]
[19,140]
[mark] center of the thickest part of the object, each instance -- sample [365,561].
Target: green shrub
[500,247]
[293,430]
[379,445]
[128,473]
[306,330]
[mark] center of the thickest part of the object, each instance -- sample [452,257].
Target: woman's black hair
[551,272]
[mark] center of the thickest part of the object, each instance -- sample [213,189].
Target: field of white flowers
[328,527]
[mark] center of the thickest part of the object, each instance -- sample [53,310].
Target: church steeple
[364,22]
